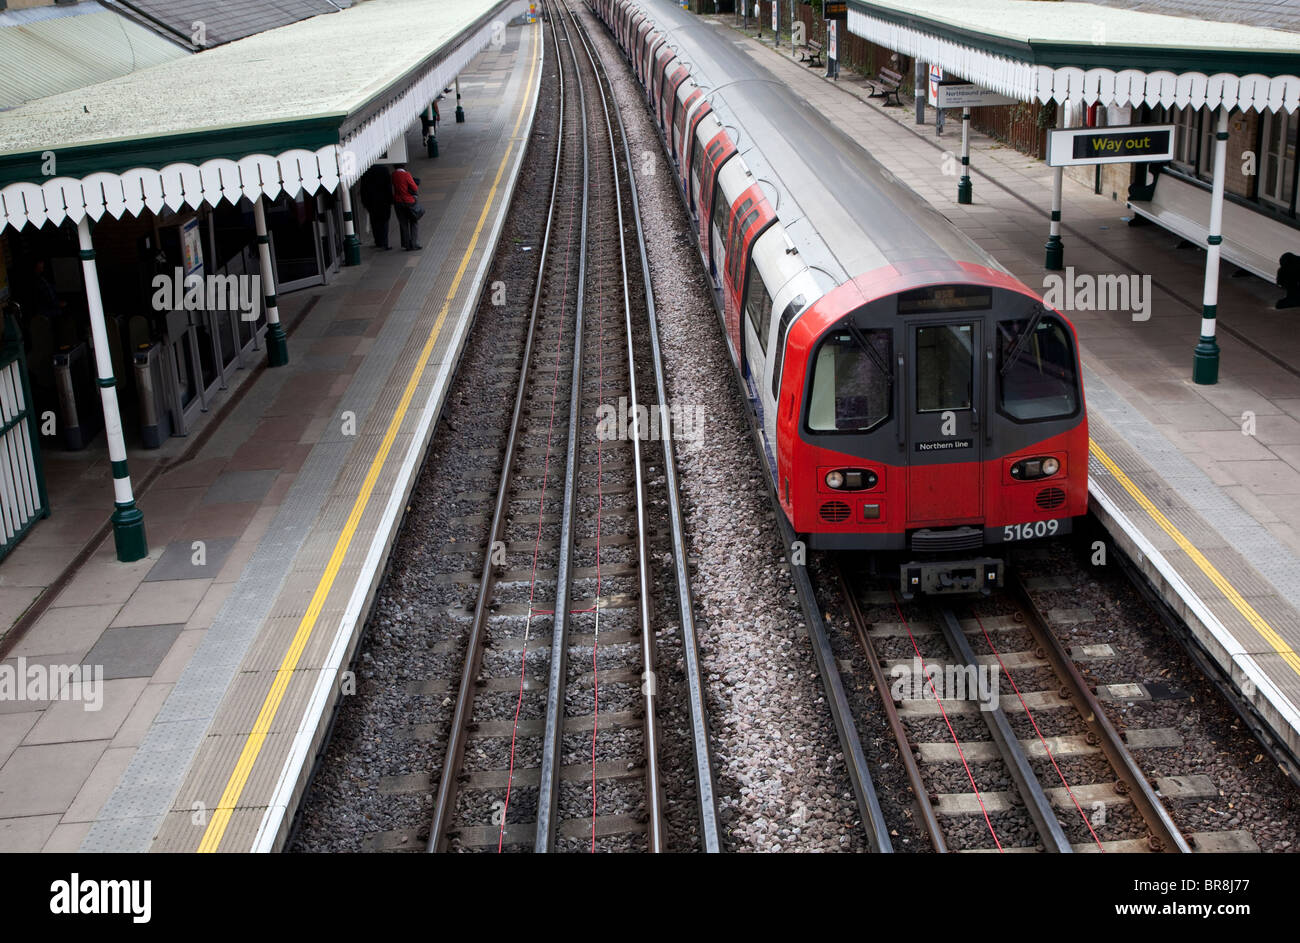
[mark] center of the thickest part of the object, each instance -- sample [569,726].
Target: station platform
[1199,485]
[269,529]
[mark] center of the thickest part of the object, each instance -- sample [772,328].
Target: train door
[943,423]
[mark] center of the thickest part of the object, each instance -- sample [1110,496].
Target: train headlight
[1030,469]
[851,479]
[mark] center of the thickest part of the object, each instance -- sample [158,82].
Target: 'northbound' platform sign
[1128,144]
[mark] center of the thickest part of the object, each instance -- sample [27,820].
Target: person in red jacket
[405,190]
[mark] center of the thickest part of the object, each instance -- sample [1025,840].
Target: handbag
[416,210]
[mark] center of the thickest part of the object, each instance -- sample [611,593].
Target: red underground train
[914,398]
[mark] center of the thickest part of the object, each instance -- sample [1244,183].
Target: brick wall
[1243,136]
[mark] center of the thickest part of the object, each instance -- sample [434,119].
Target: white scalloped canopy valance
[181,185]
[176,187]
[1029,82]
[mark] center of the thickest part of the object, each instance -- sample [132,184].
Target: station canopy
[1035,50]
[48,50]
[289,110]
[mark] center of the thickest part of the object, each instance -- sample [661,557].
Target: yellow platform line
[270,706]
[1258,622]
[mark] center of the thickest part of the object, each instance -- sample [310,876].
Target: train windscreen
[851,385]
[1037,374]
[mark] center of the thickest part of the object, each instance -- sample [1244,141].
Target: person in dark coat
[376,187]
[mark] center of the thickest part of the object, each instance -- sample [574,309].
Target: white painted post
[921,80]
[1055,248]
[1205,359]
[964,185]
[351,244]
[128,520]
[277,344]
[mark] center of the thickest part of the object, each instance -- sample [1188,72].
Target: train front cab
[937,423]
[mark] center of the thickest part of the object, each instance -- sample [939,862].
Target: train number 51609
[1032,529]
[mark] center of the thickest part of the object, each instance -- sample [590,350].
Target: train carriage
[913,398]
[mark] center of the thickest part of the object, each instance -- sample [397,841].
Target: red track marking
[537,542]
[938,700]
[1041,738]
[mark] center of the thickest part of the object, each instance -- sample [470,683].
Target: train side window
[782,330]
[697,158]
[850,391]
[758,305]
[1041,381]
[745,217]
[945,366]
[720,211]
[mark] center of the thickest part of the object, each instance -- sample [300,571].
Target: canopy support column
[920,79]
[1205,359]
[1055,248]
[277,343]
[351,243]
[128,520]
[964,189]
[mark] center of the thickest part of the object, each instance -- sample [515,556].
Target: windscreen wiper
[1023,340]
[861,340]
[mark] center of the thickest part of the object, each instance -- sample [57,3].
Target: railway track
[1004,744]
[555,738]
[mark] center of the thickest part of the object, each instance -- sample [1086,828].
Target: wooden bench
[886,85]
[1251,241]
[812,54]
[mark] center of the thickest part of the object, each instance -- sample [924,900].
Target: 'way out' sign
[1129,144]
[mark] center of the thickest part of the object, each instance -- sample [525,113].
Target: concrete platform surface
[214,662]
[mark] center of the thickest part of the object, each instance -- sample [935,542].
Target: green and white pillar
[920,81]
[128,520]
[277,343]
[1205,359]
[1055,248]
[351,242]
[963,186]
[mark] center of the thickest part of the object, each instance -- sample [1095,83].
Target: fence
[22,482]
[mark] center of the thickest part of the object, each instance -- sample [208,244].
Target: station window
[945,364]
[1186,137]
[852,390]
[1041,382]
[758,305]
[1277,176]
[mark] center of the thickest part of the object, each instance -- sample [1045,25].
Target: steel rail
[873,818]
[649,693]
[1017,762]
[864,787]
[548,794]
[710,831]
[446,797]
[929,819]
[1164,834]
